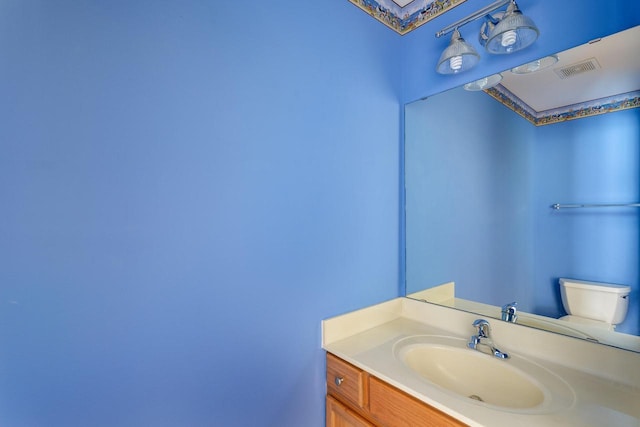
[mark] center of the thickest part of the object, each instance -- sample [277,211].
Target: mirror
[481,180]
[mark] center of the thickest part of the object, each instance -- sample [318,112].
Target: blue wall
[188,188]
[468,192]
[592,160]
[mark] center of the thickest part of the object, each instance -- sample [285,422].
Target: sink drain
[476,397]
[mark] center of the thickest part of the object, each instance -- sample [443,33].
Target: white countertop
[605,381]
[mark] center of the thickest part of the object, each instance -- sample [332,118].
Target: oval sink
[515,384]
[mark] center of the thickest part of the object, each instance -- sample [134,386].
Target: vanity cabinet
[358,399]
[338,415]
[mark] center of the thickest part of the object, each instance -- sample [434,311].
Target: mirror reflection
[509,192]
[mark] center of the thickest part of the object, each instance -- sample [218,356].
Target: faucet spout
[482,341]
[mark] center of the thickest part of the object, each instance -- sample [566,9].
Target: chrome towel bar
[558,206]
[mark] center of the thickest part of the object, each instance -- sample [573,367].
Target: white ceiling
[618,56]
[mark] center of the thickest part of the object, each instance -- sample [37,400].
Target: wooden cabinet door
[394,408]
[339,416]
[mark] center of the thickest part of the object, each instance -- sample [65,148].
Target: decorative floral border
[570,112]
[399,18]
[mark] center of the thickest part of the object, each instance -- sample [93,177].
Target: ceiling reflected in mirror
[587,80]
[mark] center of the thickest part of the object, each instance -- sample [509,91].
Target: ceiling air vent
[581,67]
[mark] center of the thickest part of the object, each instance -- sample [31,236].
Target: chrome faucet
[509,312]
[482,341]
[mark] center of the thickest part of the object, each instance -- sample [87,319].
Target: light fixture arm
[484,12]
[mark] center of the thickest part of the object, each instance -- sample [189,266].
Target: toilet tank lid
[603,287]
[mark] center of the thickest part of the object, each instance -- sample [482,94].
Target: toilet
[596,304]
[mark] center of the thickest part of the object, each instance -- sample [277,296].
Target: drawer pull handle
[338,381]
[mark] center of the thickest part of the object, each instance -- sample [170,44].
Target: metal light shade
[513,33]
[537,65]
[459,56]
[484,83]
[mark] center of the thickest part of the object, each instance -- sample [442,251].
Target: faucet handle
[509,306]
[483,342]
[509,312]
[484,330]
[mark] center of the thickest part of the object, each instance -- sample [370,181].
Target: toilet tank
[605,302]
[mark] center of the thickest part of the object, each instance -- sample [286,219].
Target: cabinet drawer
[347,381]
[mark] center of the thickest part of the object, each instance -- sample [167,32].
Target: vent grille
[581,67]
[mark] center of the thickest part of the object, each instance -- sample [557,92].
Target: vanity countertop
[605,381]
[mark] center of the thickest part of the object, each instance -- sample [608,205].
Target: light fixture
[503,32]
[537,65]
[513,32]
[459,56]
[484,83]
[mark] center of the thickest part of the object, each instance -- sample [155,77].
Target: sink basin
[514,384]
